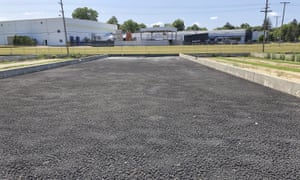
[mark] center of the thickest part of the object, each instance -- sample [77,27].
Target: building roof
[53,19]
[158,29]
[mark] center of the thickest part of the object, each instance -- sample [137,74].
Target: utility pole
[65,27]
[266,10]
[283,14]
[277,17]
[278,35]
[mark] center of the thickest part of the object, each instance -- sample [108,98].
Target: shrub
[289,57]
[297,58]
[24,41]
[282,57]
[78,55]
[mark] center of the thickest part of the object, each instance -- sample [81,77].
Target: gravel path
[145,118]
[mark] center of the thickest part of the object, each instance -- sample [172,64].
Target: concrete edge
[142,55]
[32,69]
[281,85]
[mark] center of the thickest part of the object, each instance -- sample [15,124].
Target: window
[58,31]
[61,41]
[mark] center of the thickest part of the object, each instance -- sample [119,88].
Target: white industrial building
[237,36]
[51,31]
[169,36]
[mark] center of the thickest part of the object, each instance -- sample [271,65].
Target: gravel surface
[145,118]
[16,58]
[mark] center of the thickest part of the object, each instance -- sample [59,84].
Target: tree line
[288,32]
[129,25]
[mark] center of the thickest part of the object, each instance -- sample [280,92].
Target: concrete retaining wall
[285,86]
[26,70]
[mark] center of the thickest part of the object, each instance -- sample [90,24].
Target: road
[145,118]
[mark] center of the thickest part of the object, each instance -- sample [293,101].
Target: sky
[205,13]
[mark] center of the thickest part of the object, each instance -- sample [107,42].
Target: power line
[266,11]
[283,12]
[65,28]
[277,17]
[283,15]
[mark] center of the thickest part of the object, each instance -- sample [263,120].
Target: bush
[24,41]
[297,58]
[261,38]
[78,55]
[289,57]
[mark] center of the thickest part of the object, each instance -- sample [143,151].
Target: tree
[261,38]
[195,27]
[299,28]
[290,32]
[179,24]
[245,26]
[274,34]
[227,26]
[130,26]
[113,20]
[85,13]
[142,25]
[257,28]
[168,25]
[294,30]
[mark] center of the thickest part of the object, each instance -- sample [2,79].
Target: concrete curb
[26,70]
[285,86]
[141,55]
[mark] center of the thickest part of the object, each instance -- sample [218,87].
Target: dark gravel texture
[16,58]
[145,118]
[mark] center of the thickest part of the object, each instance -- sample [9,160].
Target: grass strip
[291,69]
[274,60]
[242,48]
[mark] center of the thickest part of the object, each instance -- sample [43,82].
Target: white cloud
[31,13]
[214,18]
[157,24]
[273,14]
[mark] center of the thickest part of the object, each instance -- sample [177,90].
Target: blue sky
[206,13]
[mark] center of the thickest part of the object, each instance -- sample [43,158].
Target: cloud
[273,14]
[31,13]
[157,24]
[214,18]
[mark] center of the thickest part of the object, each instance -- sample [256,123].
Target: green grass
[276,60]
[288,47]
[123,50]
[260,64]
